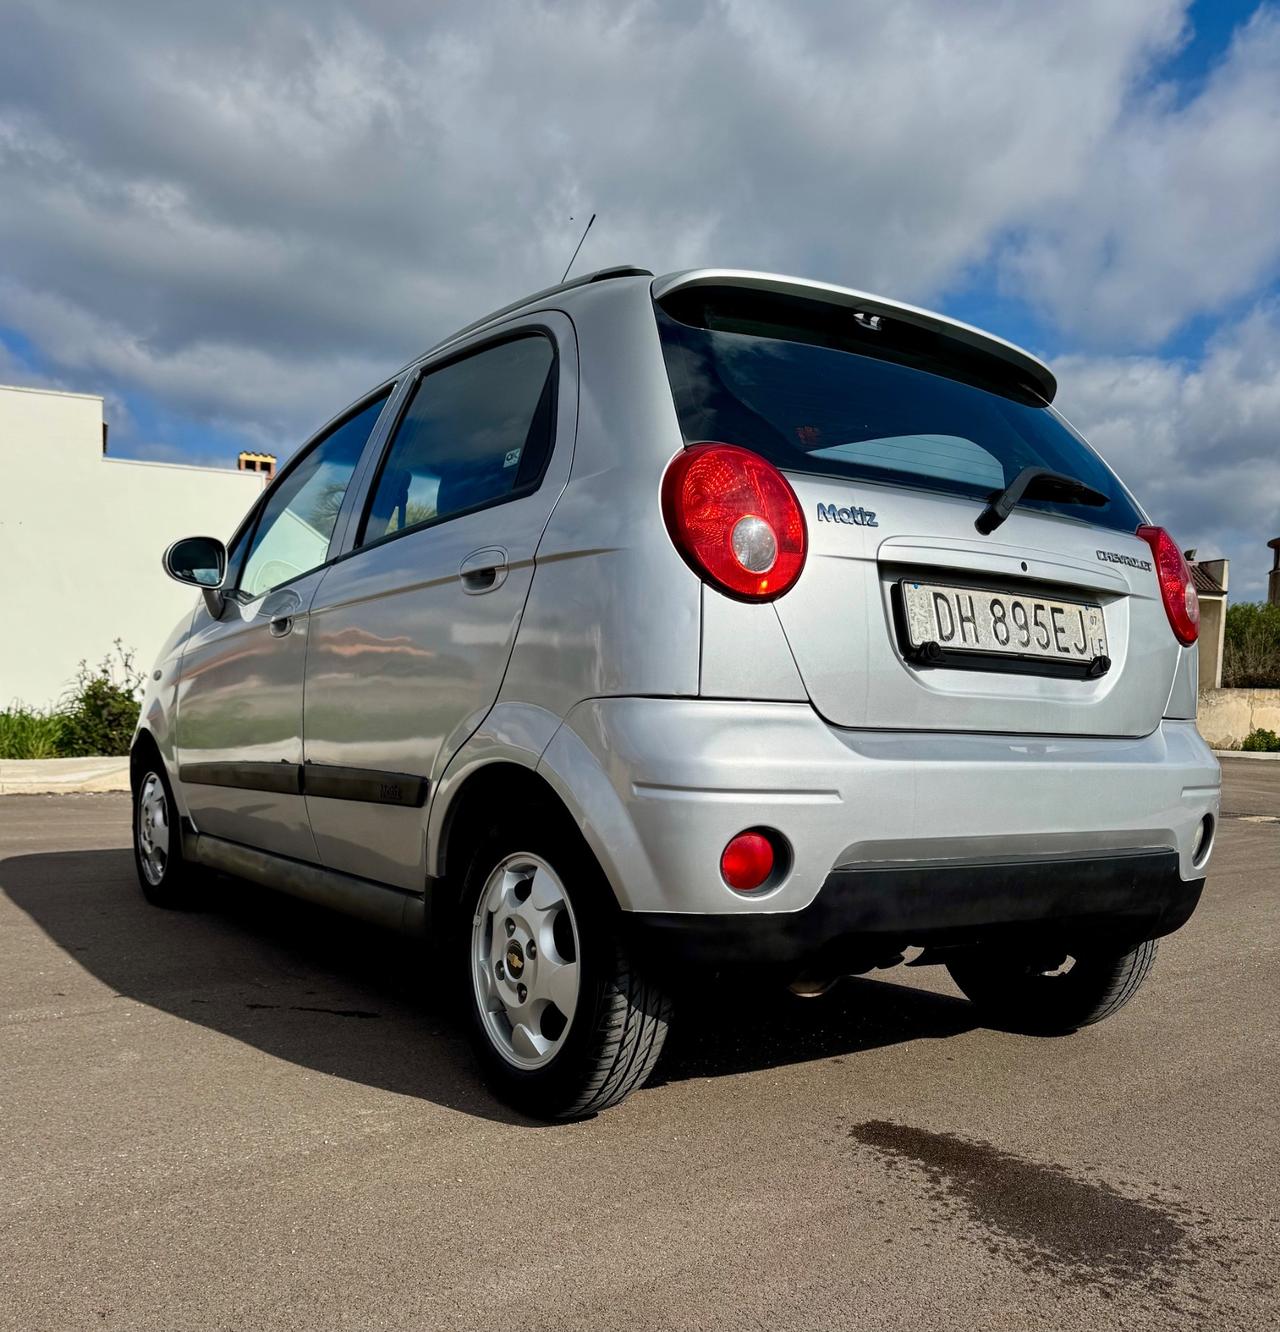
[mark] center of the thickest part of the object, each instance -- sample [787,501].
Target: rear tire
[537,934]
[167,878]
[1020,996]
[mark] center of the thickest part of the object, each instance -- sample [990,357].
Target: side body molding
[365,785]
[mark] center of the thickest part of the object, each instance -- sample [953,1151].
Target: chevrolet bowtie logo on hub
[515,960]
[829,513]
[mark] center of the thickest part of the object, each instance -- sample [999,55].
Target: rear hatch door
[895,431]
[1054,584]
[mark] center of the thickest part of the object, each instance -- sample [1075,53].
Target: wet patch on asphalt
[1048,1220]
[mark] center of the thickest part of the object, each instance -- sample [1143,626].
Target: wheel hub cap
[524,960]
[153,829]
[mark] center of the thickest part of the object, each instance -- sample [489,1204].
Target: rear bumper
[862,916]
[659,786]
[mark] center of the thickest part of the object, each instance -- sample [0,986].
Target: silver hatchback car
[714,621]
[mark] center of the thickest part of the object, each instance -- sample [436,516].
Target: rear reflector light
[747,861]
[735,520]
[1177,591]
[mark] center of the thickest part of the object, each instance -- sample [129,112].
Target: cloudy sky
[230,218]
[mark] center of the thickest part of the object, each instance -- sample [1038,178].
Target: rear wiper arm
[1035,483]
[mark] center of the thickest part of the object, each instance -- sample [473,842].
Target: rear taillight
[735,520]
[1178,592]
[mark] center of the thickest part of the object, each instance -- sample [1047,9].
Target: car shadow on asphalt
[722,1031]
[346,999]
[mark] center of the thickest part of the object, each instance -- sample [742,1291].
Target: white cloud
[225,383]
[251,214]
[324,182]
[1198,443]
[1175,215]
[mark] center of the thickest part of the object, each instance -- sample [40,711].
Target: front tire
[1019,994]
[164,874]
[563,1022]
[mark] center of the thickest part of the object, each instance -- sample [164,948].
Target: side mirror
[199,560]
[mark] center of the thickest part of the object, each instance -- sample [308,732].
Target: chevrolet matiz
[715,623]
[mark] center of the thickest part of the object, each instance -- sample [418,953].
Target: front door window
[293,533]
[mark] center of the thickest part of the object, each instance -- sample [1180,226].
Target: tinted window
[475,432]
[807,386]
[298,515]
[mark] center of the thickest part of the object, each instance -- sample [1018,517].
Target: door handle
[281,610]
[483,570]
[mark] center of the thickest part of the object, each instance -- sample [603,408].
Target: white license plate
[966,619]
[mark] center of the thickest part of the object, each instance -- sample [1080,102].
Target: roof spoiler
[1037,375]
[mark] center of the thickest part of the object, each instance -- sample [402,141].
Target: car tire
[533,881]
[1019,996]
[166,877]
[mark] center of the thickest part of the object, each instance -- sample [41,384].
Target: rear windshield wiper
[1035,483]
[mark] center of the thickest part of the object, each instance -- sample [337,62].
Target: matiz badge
[829,513]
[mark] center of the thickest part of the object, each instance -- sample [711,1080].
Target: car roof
[536,298]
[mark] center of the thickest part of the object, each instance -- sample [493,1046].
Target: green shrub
[97,715]
[28,734]
[1261,741]
[100,710]
[1251,646]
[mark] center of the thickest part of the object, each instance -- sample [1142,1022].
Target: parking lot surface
[254,1116]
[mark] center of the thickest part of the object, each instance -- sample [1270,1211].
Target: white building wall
[81,538]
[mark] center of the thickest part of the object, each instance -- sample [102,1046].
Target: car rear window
[818,388]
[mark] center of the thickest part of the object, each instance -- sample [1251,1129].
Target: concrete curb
[1246,754]
[63,776]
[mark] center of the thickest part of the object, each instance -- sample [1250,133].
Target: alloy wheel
[525,961]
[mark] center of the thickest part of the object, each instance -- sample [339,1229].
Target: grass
[96,715]
[26,733]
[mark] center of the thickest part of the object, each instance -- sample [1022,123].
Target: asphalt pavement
[255,1116]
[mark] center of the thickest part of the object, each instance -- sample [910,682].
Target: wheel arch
[490,778]
[146,748]
[142,751]
[472,798]
[542,756]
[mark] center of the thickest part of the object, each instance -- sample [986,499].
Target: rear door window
[814,389]
[476,432]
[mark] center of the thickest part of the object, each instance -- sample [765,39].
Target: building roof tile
[1205,585]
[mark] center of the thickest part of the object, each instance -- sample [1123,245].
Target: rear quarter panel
[612,609]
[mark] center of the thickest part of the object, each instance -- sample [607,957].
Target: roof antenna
[575,253]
